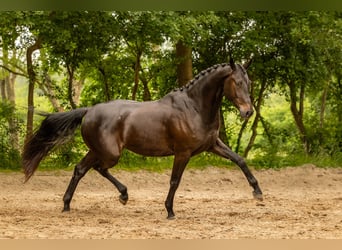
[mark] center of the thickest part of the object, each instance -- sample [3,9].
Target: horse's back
[138,126]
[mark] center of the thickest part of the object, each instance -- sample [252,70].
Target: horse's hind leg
[110,154]
[122,188]
[80,170]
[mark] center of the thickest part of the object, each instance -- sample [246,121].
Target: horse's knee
[240,161]
[79,172]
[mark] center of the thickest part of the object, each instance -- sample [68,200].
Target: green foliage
[10,157]
[297,62]
[74,37]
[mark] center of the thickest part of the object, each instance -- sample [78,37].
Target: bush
[10,157]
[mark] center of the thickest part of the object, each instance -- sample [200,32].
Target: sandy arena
[299,203]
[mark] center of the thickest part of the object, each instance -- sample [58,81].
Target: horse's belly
[149,151]
[149,146]
[148,140]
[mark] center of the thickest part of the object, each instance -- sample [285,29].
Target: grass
[276,162]
[133,162]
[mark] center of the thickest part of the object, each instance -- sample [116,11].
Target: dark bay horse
[183,123]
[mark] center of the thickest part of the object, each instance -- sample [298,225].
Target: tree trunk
[298,113]
[147,93]
[339,114]
[184,63]
[108,94]
[12,121]
[266,130]
[137,67]
[32,79]
[3,89]
[253,136]
[339,82]
[8,94]
[4,81]
[48,90]
[323,104]
[222,132]
[257,108]
[71,92]
[238,141]
[9,79]
[77,88]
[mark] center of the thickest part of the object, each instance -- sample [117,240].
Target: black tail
[53,131]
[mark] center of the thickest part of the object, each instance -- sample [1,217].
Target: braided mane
[200,75]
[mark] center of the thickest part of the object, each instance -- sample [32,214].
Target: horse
[183,123]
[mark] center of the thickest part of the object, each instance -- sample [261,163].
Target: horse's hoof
[258,196]
[171,217]
[123,199]
[66,210]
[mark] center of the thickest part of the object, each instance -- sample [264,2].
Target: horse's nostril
[249,113]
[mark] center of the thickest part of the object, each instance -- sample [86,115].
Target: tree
[259,42]
[82,58]
[302,65]
[11,65]
[83,38]
[142,35]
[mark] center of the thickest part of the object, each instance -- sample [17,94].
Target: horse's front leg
[179,164]
[223,150]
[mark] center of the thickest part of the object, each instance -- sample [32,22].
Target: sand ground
[299,203]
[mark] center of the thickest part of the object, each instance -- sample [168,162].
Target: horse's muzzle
[246,113]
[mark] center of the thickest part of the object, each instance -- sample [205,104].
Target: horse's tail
[53,131]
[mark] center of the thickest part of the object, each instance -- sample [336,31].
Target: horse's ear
[247,64]
[232,63]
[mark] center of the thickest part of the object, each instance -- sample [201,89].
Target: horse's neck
[207,95]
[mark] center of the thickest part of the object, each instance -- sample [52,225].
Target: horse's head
[236,89]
